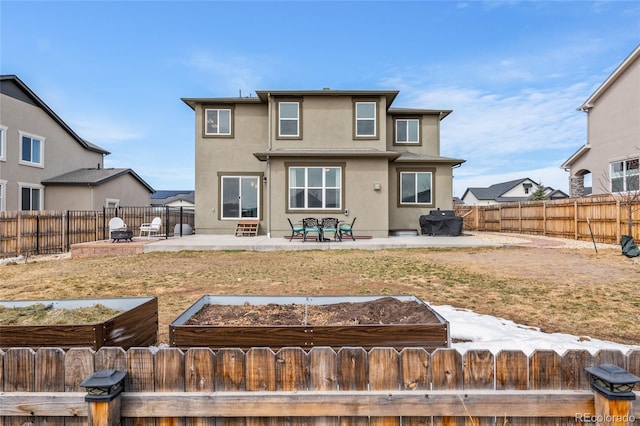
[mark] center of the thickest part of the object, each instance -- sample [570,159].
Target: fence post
[104,388]
[614,394]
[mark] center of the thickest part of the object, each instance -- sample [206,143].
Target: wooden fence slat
[353,374]
[446,370]
[49,377]
[78,365]
[610,356]
[544,373]
[19,376]
[633,366]
[573,364]
[478,373]
[512,373]
[200,374]
[384,374]
[260,376]
[140,378]
[169,375]
[292,374]
[230,376]
[323,373]
[415,367]
[111,358]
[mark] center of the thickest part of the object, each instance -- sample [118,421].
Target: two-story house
[44,164]
[512,191]
[612,152]
[317,153]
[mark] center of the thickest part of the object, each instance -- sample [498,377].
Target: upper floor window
[366,120]
[407,131]
[416,187]
[3,142]
[30,197]
[315,188]
[31,149]
[288,119]
[625,175]
[217,122]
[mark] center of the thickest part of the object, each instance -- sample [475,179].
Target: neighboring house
[92,189]
[508,192]
[612,152]
[171,198]
[317,153]
[41,157]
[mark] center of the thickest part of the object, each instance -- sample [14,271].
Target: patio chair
[118,230]
[346,229]
[151,228]
[295,230]
[330,224]
[311,224]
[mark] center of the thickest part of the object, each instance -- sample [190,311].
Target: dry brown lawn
[574,291]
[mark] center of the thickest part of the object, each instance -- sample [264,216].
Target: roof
[8,86]
[611,79]
[411,157]
[333,152]
[495,191]
[579,153]
[172,196]
[93,177]
[167,193]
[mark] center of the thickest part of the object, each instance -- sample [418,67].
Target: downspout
[270,141]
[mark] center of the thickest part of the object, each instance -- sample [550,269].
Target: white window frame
[305,188]
[415,188]
[21,186]
[359,119]
[111,202]
[3,143]
[289,119]
[625,174]
[207,131]
[3,195]
[257,179]
[408,121]
[32,137]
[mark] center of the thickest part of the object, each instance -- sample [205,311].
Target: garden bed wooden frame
[137,325]
[429,336]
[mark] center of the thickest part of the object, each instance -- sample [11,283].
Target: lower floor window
[415,188]
[239,197]
[625,175]
[315,188]
[30,198]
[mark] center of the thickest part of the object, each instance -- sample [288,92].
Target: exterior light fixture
[104,385]
[613,382]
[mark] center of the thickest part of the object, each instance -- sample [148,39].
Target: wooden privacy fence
[606,218]
[382,386]
[46,232]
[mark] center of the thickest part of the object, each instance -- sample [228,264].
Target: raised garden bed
[283,321]
[134,323]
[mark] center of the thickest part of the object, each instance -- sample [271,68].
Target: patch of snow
[476,331]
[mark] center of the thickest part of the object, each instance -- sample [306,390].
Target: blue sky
[513,72]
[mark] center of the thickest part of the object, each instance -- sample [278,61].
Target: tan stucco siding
[407,217]
[613,129]
[126,189]
[228,155]
[328,123]
[62,153]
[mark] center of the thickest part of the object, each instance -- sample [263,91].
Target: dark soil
[386,310]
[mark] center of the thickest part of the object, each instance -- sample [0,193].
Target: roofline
[611,79]
[266,155]
[416,111]
[192,102]
[101,181]
[583,149]
[53,115]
